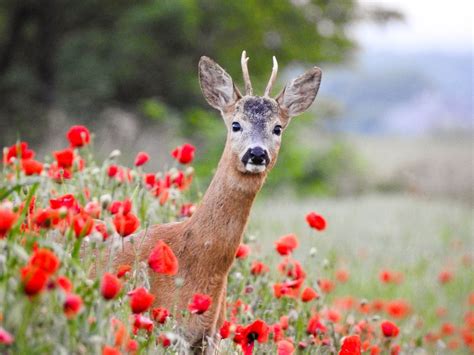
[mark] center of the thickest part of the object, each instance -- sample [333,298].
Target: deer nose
[258,155]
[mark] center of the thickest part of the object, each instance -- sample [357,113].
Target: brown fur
[206,243]
[205,246]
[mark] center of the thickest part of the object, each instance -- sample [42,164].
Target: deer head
[255,123]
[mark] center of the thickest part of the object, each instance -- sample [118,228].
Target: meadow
[372,274]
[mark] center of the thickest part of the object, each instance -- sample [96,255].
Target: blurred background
[393,115]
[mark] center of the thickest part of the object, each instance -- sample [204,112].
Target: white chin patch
[252,168]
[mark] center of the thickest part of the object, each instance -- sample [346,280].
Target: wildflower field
[361,276]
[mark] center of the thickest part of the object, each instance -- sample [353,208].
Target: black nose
[258,155]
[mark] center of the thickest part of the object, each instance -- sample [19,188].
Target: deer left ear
[299,94]
[216,85]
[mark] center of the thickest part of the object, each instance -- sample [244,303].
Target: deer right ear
[300,93]
[216,85]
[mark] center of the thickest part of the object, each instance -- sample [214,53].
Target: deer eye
[236,127]
[277,130]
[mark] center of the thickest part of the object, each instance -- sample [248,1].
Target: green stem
[21,334]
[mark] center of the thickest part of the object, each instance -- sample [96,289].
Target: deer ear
[300,93]
[216,85]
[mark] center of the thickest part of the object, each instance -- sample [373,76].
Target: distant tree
[84,55]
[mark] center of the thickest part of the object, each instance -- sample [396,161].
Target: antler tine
[245,71]
[272,77]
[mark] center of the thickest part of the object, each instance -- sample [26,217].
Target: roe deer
[206,243]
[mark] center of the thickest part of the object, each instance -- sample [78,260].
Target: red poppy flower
[445,276]
[342,275]
[46,218]
[389,276]
[140,300]
[123,207]
[187,210]
[315,325]
[126,224]
[326,285]
[102,229]
[7,219]
[164,196]
[44,260]
[31,167]
[258,268]
[246,336]
[64,158]
[112,170]
[78,136]
[332,315]
[377,305]
[149,180]
[5,337]
[225,330]
[200,303]
[132,346]
[59,174]
[292,268]
[184,154]
[72,305]
[110,286]
[67,201]
[163,340]
[302,345]
[395,349]
[389,329]
[64,283]
[286,244]
[374,349]
[447,329]
[285,347]
[350,345]
[19,150]
[141,158]
[82,224]
[142,322]
[242,252]
[398,308]
[92,208]
[316,221]
[110,350]
[34,280]
[124,175]
[468,338]
[120,332]
[288,288]
[284,322]
[453,344]
[309,294]
[162,259]
[123,270]
[182,181]
[160,314]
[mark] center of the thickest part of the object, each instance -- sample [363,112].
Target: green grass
[419,237]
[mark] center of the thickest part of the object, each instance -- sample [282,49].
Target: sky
[445,26]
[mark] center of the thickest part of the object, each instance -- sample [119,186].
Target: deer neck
[221,217]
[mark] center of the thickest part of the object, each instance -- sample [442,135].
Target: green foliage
[142,55]
[85,55]
[318,172]
[154,109]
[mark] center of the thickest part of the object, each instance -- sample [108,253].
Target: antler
[245,70]
[272,77]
